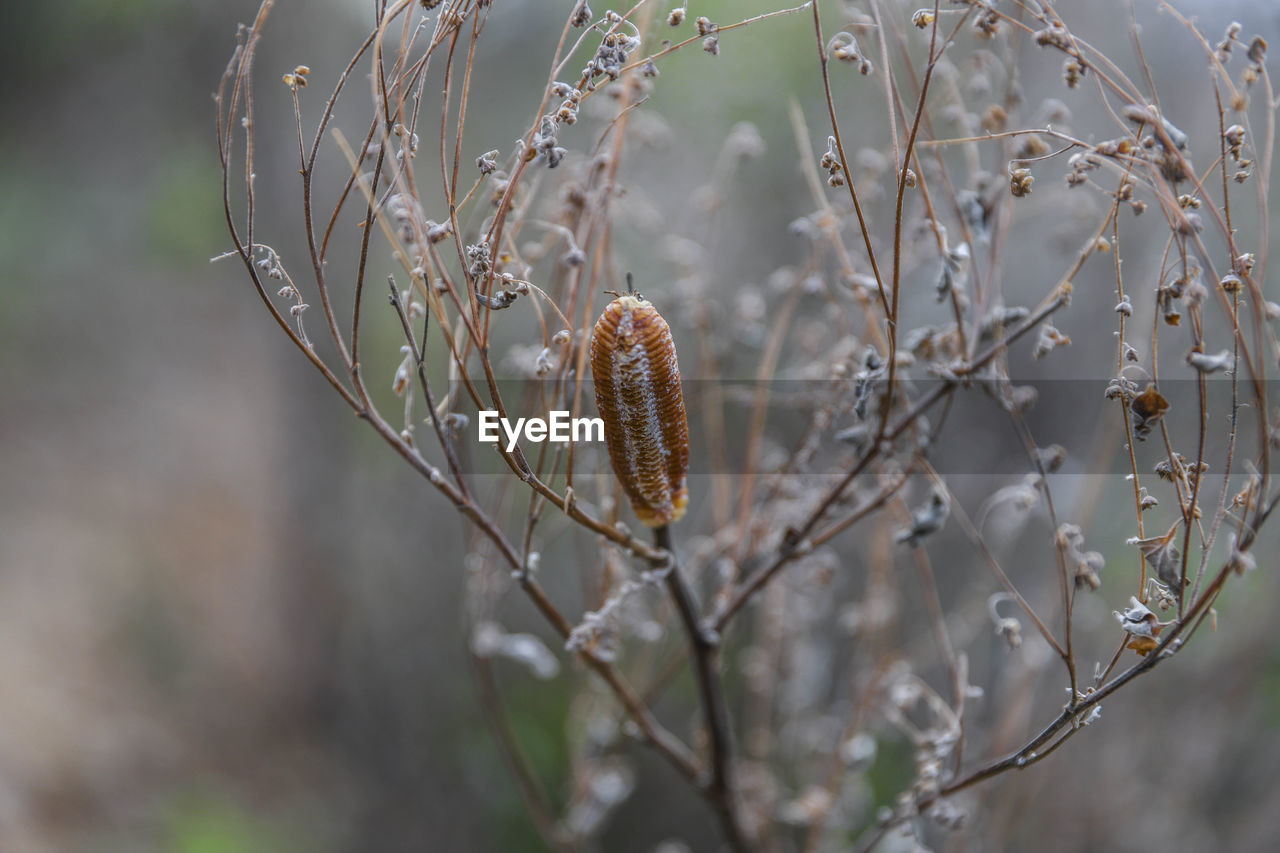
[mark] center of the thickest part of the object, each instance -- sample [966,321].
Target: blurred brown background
[229,617]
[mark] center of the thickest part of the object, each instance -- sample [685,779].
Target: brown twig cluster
[500,257]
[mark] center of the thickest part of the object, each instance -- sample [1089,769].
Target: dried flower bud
[1257,50]
[400,383]
[1007,627]
[844,47]
[1054,36]
[1139,114]
[499,300]
[478,262]
[1148,407]
[1235,137]
[995,119]
[1089,565]
[1002,318]
[1052,457]
[487,163]
[1168,299]
[1206,363]
[1229,38]
[1020,181]
[298,79]
[926,520]
[1049,340]
[1010,630]
[456,422]
[638,395]
[1072,72]
[1141,625]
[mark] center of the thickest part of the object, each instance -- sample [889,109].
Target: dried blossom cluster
[832,582]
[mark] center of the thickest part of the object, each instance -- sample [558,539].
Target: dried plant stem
[419,360]
[976,538]
[475,256]
[704,646]
[938,625]
[823,62]
[757,580]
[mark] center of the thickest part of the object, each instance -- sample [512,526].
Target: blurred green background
[229,617]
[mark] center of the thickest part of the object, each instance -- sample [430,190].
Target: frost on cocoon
[637,381]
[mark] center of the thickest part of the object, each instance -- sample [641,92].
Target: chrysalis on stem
[637,384]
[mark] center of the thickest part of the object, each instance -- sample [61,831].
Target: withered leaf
[1163,556]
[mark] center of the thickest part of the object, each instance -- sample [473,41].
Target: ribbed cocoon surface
[637,382]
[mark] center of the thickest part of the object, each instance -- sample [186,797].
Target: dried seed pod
[1148,407]
[637,382]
